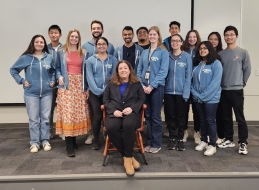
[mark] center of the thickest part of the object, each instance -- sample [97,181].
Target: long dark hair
[219,46]
[115,79]
[31,49]
[210,58]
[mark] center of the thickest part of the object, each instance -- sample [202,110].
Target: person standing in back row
[142,35]
[129,51]
[236,71]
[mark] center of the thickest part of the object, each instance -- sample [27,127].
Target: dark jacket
[133,97]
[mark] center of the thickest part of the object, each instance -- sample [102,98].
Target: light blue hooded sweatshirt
[178,80]
[53,52]
[91,48]
[206,80]
[61,69]
[39,74]
[99,72]
[159,63]
[138,50]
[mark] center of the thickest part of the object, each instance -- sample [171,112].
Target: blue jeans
[154,102]
[207,114]
[38,110]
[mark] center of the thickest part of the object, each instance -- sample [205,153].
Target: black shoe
[74,143]
[70,151]
[96,145]
[180,145]
[171,144]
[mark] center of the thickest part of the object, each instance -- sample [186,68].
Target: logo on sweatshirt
[181,64]
[206,70]
[154,58]
[109,66]
[46,66]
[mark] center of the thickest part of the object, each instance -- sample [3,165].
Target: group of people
[175,72]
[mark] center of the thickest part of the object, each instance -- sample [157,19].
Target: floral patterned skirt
[72,109]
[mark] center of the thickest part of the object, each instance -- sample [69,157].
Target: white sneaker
[219,140]
[226,144]
[34,148]
[62,137]
[147,148]
[154,150]
[185,136]
[243,148]
[46,146]
[197,137]
[89,139]
[203,145]
[210,150]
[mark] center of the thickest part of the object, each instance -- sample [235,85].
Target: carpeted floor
[15,158]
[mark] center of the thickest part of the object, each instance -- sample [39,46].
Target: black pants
[54,97]
[234,99]
[122,132]
[220,121]
[96,102]
[175,115]
[196,118]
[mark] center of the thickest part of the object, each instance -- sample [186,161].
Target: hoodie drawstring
[31,65]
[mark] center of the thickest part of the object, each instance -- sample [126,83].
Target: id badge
[147,75]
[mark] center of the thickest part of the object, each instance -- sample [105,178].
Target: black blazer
[133,97]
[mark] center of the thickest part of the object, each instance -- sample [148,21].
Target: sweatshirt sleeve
[90,79]
[111,49]
[214,85]
[246,68]
[160,77]
[58,64]
[53,70]
[17,67]
[187,82]
[140,68]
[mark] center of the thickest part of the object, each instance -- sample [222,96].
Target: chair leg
[144,159]
[141,147]
[104,160]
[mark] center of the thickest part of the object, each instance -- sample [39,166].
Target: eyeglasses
[229,35]
[204,48]
[101,44]
[175,41]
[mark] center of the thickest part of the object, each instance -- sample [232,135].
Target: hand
[117,113]
[60,81]
[87,94]
[149,89]
[145,90]
[51,84]
[26,83]
[127,111]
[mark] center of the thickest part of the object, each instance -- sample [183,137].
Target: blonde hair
[159,42]
[67,45]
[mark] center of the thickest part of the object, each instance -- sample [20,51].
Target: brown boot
[135,164]
[128,166]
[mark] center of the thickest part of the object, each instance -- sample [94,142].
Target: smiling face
[214,40]
[54,35]
[176,43]
[127,36]
[174,29]
[101,46]
[96,30]
[142,35]
[203,50]
[74,38]
[230,37]
[192,39]
[123,71]
[153,36]
[39,44]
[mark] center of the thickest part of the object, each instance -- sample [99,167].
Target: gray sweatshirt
[236,68]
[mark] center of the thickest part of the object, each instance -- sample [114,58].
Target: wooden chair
[138,144]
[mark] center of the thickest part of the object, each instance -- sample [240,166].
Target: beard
[100,35]
[141,40]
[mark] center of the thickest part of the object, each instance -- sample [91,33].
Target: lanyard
[149,58]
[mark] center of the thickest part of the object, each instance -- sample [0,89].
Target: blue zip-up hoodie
[206,80]
[192,52]
[39,74]
[99,72]
[138,50]
[91,48]
[159,63]
[61,69]
[178,80]
[53,52]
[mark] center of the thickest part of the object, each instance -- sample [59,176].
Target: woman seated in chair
[123,98]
